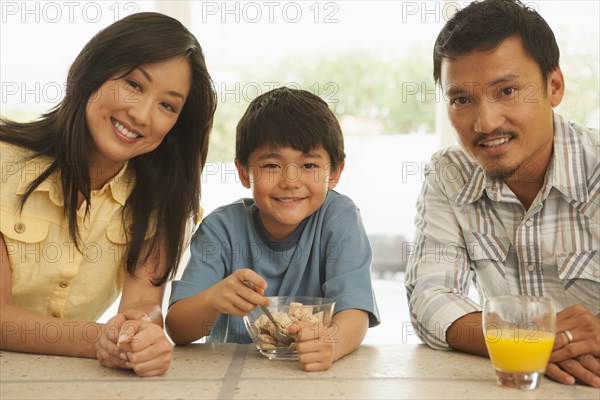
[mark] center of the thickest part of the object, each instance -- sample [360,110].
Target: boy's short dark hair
[286,117]
[483,25]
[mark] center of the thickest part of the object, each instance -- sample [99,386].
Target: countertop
[234,371]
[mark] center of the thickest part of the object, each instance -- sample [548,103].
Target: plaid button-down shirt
[471,228]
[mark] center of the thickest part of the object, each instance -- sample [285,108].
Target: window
[371,60]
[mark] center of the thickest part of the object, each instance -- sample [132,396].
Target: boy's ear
[244,174]
[334,177]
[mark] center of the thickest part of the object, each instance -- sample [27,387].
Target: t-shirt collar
[276,245]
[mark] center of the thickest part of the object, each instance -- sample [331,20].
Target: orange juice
[519,350]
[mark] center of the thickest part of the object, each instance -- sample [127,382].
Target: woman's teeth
[124,131]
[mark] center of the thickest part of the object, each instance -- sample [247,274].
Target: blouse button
[529,223]
[63,284]
[20,227]
[530,268]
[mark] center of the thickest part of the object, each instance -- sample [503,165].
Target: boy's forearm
[350,329]
[190,319]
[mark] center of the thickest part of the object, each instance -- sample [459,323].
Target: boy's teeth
[496,142]
[124,131]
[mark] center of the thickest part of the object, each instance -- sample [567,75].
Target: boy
[294,237]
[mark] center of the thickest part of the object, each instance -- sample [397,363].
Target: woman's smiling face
[130,114]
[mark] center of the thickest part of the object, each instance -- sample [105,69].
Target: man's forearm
[466,334]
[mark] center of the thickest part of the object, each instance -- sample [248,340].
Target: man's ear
[556,87]
[244,174]
[334,177]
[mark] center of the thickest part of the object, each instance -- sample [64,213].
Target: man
[516,206]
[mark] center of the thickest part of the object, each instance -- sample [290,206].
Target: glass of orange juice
[519,334]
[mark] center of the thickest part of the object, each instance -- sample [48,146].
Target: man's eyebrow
[504,79]
[456,90]
[170,92]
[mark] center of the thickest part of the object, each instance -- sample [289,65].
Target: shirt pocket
[487,252]
[578,265]
[116,234]
[22,228]
[579,272]
[119,240]
[25,238]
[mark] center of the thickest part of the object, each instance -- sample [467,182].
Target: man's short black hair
[483,25]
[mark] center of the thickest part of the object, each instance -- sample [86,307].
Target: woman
[97,197]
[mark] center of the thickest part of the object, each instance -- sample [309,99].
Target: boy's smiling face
[287,185]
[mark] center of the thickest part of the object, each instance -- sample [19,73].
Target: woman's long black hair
[167,180]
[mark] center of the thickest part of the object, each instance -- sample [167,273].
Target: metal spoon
[280,332]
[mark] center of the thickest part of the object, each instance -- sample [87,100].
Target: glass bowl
[287,310]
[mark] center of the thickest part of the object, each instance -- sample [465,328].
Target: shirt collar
[474,186]
[119,186]
[32,169]
[566,171]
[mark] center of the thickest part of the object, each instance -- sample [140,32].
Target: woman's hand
[144,345]
[131,340]
[106,347]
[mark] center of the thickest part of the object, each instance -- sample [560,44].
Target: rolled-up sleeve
[438,272]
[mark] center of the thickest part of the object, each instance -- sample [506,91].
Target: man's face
[502,109]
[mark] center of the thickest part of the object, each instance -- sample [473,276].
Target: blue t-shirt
[328,255]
